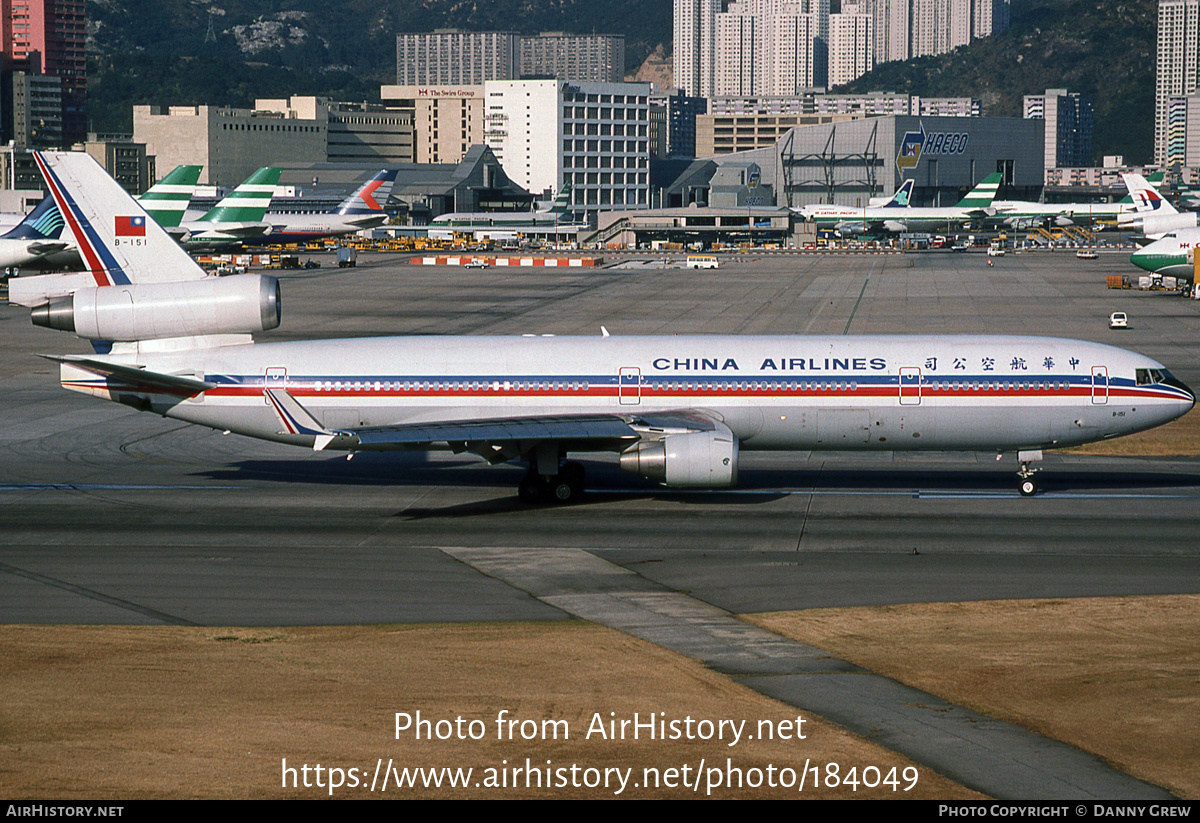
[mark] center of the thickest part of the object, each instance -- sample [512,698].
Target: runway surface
[112,516]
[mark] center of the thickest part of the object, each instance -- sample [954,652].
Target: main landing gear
[1026,484]
[564,487]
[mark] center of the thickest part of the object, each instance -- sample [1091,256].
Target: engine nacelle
[1156,225]
[149,311]
[697,459]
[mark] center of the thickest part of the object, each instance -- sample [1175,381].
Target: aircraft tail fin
[1146,198]
[43,223]
[371,196]
[117,240]
[983,194]
[248,203]
[561,203]
[167,200]
[903,196]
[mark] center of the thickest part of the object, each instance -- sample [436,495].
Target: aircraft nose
[1141,259]
[1176,383]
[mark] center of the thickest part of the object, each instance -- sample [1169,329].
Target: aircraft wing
[496,440]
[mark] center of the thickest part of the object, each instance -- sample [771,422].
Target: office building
[47,37]
[593,136]
[232,143]
[447,120]
[1068,117]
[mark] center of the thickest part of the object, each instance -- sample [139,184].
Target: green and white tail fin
[983,194]
[248,203]
[168,199]
[561,203]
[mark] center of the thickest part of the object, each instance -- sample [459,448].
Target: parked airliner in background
[894,218]
[40,243]
[1155,216]
[1169,255]
[506,225]
[900,199]
[679,409]
[361,210]
[237,218]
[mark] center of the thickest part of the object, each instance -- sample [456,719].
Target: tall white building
[912,28]
[771,47]
[851,46]
[740,50]
[593,136]
[990,17]
[1178,72]
[693,61]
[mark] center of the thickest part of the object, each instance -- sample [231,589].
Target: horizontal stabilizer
[134,374]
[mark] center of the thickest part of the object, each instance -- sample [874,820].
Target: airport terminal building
[850,162]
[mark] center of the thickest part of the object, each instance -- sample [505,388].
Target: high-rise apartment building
[990,17]
[1178,71]
[47,37]
[694,45]
[457,58]
[771,47]
[851,45]
[597,58]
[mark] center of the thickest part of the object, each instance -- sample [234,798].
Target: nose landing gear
[1026,484]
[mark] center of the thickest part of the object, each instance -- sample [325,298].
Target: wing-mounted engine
[150,311]
[697,459]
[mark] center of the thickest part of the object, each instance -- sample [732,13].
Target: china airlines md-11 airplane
[679,409]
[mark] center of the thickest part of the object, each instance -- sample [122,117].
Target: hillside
[1103,50]
[231,51]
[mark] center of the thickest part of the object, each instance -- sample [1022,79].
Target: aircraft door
[629,386]
[1099,385]
[275,377]
[910,386]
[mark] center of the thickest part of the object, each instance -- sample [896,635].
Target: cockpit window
[1148,377]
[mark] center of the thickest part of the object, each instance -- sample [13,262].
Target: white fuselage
[789,392]
[891,218]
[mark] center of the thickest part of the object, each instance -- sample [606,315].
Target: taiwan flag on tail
[130,226]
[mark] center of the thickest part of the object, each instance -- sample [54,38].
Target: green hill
[230,51]
[1103,50]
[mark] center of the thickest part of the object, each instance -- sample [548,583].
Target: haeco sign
[917,144]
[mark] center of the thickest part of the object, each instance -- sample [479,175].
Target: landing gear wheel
[562,491]
[1027,487]
[532,490]
[572,474]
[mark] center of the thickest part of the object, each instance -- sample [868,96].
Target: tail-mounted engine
[149,311]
